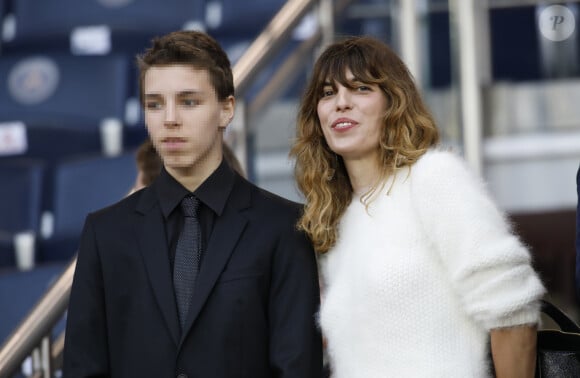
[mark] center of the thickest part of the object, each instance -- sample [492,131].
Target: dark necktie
[187,257]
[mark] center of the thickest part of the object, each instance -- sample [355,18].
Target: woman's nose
[343,99]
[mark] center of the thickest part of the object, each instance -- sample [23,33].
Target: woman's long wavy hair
[408,131]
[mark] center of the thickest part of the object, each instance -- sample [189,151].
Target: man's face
[185,119]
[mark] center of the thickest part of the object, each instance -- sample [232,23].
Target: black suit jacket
[253,311]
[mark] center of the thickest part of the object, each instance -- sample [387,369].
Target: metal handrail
[296,60]
[269,42]
[52,306]
[39,323]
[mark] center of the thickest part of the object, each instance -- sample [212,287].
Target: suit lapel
[149,231]
[227,230]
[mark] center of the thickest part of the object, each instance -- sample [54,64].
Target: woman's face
[352,118]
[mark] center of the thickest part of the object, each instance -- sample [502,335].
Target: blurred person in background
[419,268]
[135,308]
[149,165]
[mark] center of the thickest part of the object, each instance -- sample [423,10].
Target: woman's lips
[343,124]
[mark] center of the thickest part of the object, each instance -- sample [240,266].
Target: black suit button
[182,376]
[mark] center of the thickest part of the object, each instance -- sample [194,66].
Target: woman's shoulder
[437,161]
[440,156]
[442,167]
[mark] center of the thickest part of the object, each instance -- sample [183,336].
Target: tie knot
[189,206]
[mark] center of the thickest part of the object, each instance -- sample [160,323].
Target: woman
[420,269]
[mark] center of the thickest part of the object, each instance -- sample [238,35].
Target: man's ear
[227,111]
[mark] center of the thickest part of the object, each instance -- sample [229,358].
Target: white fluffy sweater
[417,280]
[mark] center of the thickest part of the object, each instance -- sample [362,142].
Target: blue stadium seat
[20,291]
[53,144]
[20,194]
[20,202]
[80,186]
[56,143]
[7,253]
[62,115]
[50,22]
[63,90]
[240,19]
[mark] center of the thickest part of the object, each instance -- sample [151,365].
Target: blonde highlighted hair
[408,131]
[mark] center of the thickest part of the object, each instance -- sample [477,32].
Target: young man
[249,309]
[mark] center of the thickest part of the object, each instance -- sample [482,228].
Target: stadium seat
[55,143]
[54,24]
[239,18]
[20,202]
[63,90]
[21,290]
[20,194]
[80,186]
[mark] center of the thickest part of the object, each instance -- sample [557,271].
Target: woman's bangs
[334,66]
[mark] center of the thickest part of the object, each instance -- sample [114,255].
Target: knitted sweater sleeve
[487,264]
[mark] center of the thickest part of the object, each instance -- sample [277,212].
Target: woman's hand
[514,351]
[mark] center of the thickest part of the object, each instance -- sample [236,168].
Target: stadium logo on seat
[114,3]
[33,80]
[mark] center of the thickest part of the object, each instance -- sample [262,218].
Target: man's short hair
[191,48]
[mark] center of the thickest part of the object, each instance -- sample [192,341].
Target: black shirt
[212,194]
